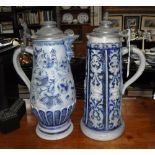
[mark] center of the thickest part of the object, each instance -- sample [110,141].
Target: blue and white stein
[102,118]
[52,89]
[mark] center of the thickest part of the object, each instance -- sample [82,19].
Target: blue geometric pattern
[50,118]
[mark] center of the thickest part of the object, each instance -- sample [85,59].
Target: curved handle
[18,67]
[140,68]
[67,43]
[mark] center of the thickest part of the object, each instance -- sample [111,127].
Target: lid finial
[106,16]
[106,22]
[105,28]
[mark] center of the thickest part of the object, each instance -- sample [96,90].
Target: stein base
[102,135]
[55,134]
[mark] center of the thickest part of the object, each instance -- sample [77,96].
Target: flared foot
[56,132]
[102,135]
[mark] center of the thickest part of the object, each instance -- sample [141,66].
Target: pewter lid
[49,30]
[105,28]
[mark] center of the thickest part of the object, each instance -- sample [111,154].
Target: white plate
[67,18]
[83,17]
[69,32]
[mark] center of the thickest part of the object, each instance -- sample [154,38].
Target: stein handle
[18,67]
[67,43]
[140,68]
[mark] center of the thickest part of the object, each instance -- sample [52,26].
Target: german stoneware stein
[52,90]
[102,119]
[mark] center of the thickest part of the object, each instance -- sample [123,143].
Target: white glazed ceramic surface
[52,89]
[67,18]
[83,18]
[69,32]
[102,119]
[52,133]
[102,135]
[52,82]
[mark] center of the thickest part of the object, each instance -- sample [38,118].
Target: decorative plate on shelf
[83,18]
[67,18]
[69,32]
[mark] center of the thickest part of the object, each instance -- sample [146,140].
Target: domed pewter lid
[49,30]
[105,28]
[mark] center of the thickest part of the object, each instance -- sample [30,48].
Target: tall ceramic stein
[102,119]
[52,90]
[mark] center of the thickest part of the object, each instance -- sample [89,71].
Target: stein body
[102,118]
[52,90]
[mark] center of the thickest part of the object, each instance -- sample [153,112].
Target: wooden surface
[138,114]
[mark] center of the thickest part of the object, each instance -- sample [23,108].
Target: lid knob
[106,16]
[106,23]
[105,28]
[49,30]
